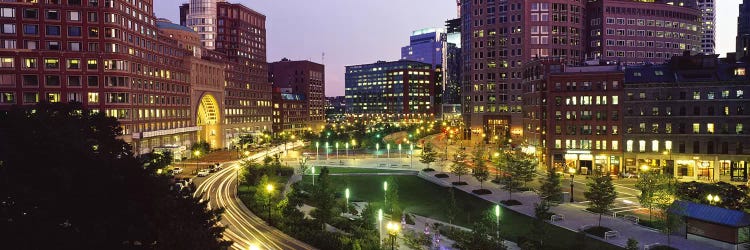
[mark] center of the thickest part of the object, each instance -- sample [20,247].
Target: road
[243,227]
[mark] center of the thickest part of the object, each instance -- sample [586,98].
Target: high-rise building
[688,118]
[425,46]
[708,16]
[452,63]
[305,79]
[82,51]
[391,91]
[240,40]
[743,31]
[290,113]
[200,15]
[633,32]
[498,37]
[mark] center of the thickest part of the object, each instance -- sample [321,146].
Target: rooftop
[713,214]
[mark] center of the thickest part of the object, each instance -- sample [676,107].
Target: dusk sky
[354,32]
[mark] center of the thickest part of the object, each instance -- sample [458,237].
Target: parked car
[203,173]
[629,175]
[177,170]
[185,181]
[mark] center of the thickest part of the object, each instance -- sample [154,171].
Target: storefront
[586,163]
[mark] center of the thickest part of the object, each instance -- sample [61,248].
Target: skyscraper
[708,15]
[743,30]
[201,16]
[425,46]
[305,79]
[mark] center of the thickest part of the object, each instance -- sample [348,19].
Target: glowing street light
[253,247]
[377,149]
[411,147]
[313,174]
[346,193]
[337,150]
[380,224]
[388,147]
[385,193]
[399,150]
[197,154]
[497,219]
[269,189]
[326,150]
[317,150]
[713,199]
[393,229]
[346,145]
[572,172]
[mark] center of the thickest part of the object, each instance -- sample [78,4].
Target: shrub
[428,170]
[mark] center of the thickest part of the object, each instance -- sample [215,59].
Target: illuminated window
[615,145]
[628,146]
[642,146]
[93,97]
[53,97]
[6,62]
[710,128]
[696,128]
[655,146]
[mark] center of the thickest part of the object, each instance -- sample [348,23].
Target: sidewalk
[575,216]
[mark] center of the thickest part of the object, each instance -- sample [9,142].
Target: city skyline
[338,39]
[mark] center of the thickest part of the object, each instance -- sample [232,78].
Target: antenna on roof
[323,58]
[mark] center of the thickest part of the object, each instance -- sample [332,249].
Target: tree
[671,220]
[459,167]
[602,195]
[66,176]
[539,229]
[550,191]
[655,188]
[452,207]
[517,171]
[324,198]
[156,160]
[428,155]
[632,244]
[482,236]
[392,197]
[245,141]
[202,146]
[481,173]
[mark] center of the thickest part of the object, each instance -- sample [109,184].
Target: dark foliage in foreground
[66,182]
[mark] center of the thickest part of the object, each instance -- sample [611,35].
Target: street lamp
[497,219]
[385,193]
[346,145]
[197,154]
[326,151]
[346,193]
[377,149]
[337,150]
[380,224]
[317,150]
[393,229]
[254,247]
[313,174]
[713,199]
[411,147]
[399,151]
[572,172]
[388,147]
[354,144]
[269,189]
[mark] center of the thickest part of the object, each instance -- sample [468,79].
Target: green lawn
[425,198]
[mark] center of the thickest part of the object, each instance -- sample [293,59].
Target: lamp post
[313,174]
[385,193]
[317,150]
[197,154]
[346,145]
[497,220]
[326,151]
[269,189]
[399,151]
[393,229]
[354,144]
[377,149]
[411,147]
[337,150]
[346,193]
[380,224]
[572,172]
[388,148]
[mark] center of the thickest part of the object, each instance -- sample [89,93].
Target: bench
[394,165]
[611,234]
[556,217]
[631,218]
[382,165]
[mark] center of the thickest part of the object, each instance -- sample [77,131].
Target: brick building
[572,116]
[307,80]
[290,112]
[688,118]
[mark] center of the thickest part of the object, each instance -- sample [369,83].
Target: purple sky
[358,32]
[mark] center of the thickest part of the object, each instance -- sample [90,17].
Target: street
[243,227]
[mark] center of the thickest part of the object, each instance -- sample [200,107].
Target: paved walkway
[576,216]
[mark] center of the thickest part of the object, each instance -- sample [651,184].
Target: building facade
[688,118]
[335,109]
[290,112]
[391,91]
[708,16]
[107,55]
[200,15]
[240,41]
[632,32]
[305,79]
[572,116]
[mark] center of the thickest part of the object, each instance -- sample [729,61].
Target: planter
[441,176]
[511,202]
[428,170]
[459,183]
[481,191]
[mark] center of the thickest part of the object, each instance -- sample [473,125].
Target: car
[629,175]
[177,170]
[185,181]
[212,169]
[203,173]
